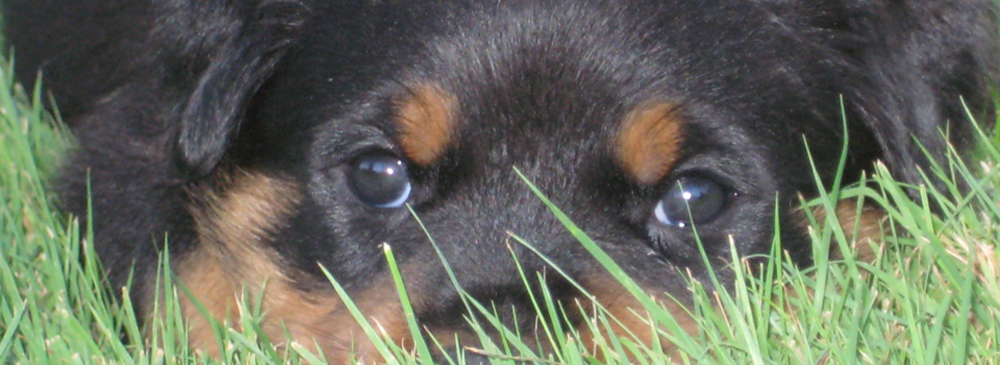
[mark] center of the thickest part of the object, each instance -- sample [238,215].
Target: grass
[930,295]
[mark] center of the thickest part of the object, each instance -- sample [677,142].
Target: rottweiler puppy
[259,141]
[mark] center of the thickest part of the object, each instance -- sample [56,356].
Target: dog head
[644,122]
[312,136]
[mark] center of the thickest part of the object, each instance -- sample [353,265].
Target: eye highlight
[380,180]
[705,198]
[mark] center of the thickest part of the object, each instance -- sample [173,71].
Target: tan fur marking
[233,260]
[868,226]
[631,315]
[425,120]
[649,141]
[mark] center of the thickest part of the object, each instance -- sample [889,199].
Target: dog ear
[214,110]
[922,63]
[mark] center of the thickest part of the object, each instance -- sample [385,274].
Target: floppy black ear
[919,60]
[215,109]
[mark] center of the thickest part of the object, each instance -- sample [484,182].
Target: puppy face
[273,139]
[633,120]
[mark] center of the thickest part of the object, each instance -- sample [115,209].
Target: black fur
[165,94]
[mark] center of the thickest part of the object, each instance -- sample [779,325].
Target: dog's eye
[380,180]
[704,197]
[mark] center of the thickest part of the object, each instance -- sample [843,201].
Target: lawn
[930,295]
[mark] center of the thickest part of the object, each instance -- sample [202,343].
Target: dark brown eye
[379,180]
[705,198]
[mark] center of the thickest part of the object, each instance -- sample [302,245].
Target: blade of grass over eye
[411,319]
[616,271]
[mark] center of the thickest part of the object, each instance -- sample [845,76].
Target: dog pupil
[704,197]
[380,180]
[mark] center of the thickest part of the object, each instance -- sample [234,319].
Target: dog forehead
[522,82]
[357,47]
[512,79]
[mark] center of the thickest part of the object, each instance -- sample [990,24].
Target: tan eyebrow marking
[425,118]
[649,141]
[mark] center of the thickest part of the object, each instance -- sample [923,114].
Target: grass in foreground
[932,294]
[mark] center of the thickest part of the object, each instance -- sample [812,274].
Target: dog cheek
[234,265]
